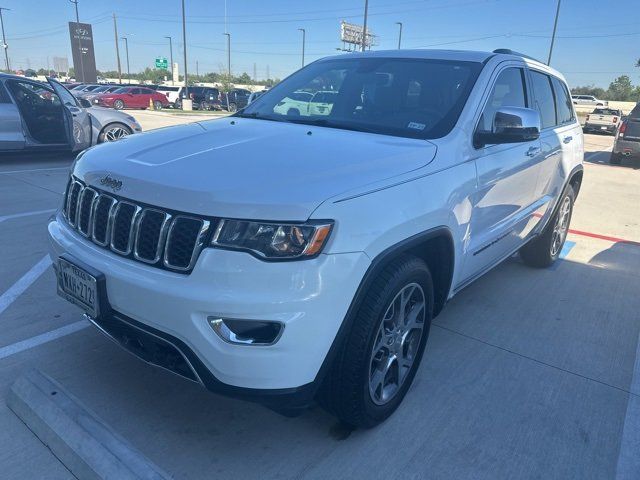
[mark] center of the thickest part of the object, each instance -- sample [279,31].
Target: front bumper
[311,298]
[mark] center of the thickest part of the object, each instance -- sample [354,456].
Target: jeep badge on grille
[110,182]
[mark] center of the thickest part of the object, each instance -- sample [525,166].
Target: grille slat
[144,233]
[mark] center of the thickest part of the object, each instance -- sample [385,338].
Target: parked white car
[284,258]
[297,103]
[172,93]
[588,100]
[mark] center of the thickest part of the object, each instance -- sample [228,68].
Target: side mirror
[510,125]
[84,103]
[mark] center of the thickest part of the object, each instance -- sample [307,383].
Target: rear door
[137,99]
[11,132]
[79,132]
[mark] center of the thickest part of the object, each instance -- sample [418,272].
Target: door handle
[567,139]
[532,152]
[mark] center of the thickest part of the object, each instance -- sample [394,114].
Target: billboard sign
[84,59]
[352,34]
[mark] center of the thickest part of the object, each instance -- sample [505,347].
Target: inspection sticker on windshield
[416,126]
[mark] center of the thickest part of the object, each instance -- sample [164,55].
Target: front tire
[381,353]
[113,132]
[542,251]
[232,107]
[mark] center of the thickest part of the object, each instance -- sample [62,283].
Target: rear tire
[381,353]
[233,107]
[157,105]
[615,159]
[118,104]
[545,249]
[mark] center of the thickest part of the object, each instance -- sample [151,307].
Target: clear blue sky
[597,40]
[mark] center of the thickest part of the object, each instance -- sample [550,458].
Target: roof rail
[508,51]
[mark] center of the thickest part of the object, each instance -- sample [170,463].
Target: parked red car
[132,97]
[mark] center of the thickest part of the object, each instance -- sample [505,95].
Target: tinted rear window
[606,111]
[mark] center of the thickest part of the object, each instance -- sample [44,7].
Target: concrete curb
[77,437]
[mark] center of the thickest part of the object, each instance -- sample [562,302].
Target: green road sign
[162,63]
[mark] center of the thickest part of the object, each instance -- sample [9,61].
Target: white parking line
[40,339]
[25,282]
[628,467]
[33,170]
[25,214]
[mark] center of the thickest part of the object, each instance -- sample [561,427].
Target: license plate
[603,128]
[78,287]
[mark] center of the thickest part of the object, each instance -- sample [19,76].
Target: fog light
[246,332]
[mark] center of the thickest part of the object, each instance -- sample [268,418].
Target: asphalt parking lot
[527,373]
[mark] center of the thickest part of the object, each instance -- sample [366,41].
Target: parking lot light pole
[184,45]
[126,49]
[75,2]
[171,56]
[364,27]
[399,35]
[304,35]
[115,34]
[4,40]
[553,35]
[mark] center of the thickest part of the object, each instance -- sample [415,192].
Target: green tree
[621,89]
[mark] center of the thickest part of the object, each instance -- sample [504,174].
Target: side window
[508,91]
[135,91]
[563,102]
[545,102]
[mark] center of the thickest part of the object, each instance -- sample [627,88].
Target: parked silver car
[39,115]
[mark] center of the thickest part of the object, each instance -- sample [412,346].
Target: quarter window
[563,102]
[508,91]
[545,102]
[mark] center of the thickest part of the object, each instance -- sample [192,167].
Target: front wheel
[232,107]
[113,132]
[545,249]
[118,104]
[380,355]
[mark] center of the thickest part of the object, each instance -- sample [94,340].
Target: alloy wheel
[115,133]
[561,227]
[396,344]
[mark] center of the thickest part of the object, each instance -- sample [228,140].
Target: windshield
[403,97]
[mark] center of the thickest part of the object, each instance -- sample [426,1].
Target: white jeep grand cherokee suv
[285,258]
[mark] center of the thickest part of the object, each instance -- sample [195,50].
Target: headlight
[273,240]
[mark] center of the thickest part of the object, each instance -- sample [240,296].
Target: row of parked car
[161,96]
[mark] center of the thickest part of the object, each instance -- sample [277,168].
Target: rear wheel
[113,132]
[615,159]
[157,105]
[380,356]
[545,249]
[118,104]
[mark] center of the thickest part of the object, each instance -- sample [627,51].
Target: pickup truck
[603,120]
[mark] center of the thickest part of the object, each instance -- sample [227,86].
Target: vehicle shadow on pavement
[526,374]
[603,157]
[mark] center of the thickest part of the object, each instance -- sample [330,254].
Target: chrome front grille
[155,236]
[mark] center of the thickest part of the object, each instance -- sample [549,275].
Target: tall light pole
[364,27]
[171,56]
[126,49]
[75,2]
[304,35]
[115,36]
[228,35]
[553,35]
[184,45]
[4,40]
[399,35]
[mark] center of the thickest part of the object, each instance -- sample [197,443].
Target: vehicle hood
[105,116]
[246,168]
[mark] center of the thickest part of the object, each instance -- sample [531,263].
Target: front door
[11,131]
[503,203]
[79,132]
